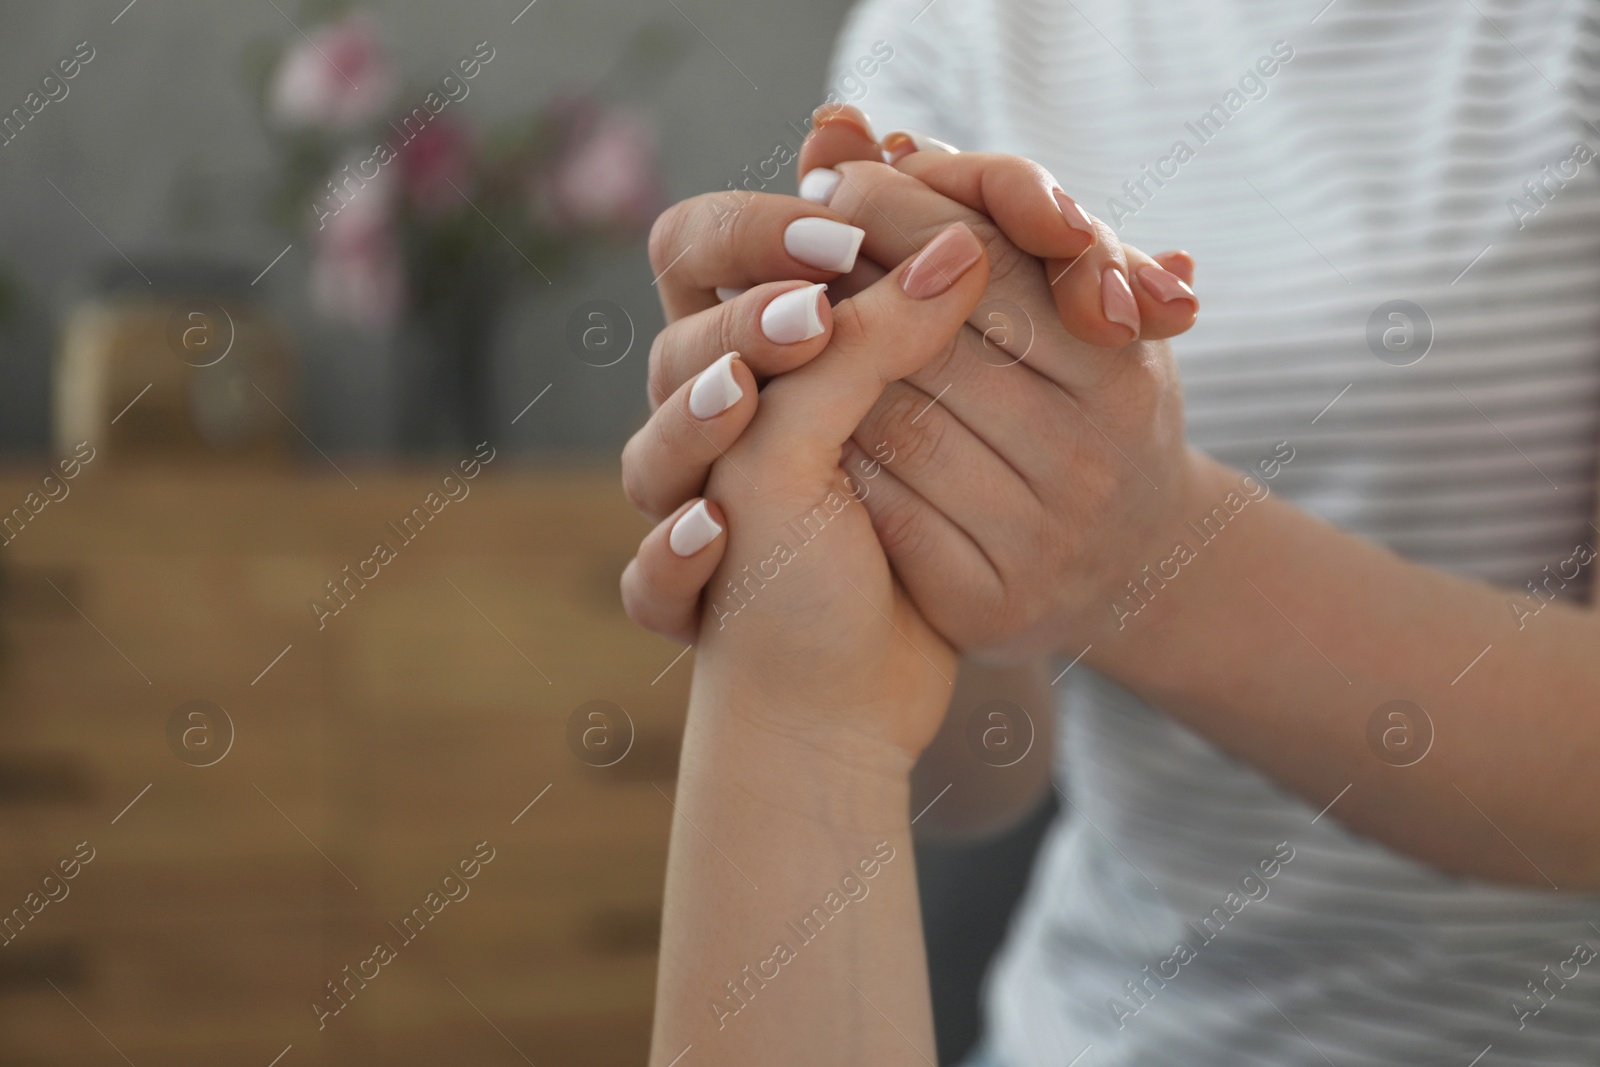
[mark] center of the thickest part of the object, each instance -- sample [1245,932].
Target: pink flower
[357,272]
[341,77]
[607,175]
[439,155]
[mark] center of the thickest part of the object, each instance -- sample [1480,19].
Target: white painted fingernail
[794,316]
[716,390]
[818,185]
[726,294]
[694,530]
[823,243]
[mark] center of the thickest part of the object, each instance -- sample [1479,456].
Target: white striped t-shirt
[1337,157]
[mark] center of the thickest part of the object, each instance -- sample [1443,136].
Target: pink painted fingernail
[941,263]
[901,143]
[844,114]
[1166,285]
[1120,305]
[1076,217]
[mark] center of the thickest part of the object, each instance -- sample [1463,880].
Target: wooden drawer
[368,760]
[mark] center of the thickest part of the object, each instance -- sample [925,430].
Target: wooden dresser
[368,758]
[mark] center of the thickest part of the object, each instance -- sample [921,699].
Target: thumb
[886,332]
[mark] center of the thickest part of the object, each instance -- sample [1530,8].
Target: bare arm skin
[1287,674]
[810,831]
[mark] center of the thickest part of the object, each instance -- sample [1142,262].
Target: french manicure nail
[1076,217]
[1120,306]
[823,243]
[941,263]
[716,389]
[725,294]
[795,316]
[1166,285]
[901,143]
[818,185]
[694,530]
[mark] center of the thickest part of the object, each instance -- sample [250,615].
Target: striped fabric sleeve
[889,61]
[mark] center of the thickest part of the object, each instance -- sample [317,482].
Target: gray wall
[158,143]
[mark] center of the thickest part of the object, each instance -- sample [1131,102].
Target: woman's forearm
[791,932]
[1283,639]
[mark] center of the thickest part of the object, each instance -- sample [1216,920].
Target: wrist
[838,738]
[789,729]
[855,703]
[1166,591]
[772,755]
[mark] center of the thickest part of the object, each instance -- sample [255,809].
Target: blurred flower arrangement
[415,215]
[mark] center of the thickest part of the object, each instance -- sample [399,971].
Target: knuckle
[942,364]
[636,604]
[642,473]
[732,224]
[915,431]
[722,335]
[1032,171]
[642,597]
[854,461]
[1107,239]
[1141,384]
[1005,258]
[682,349]
[663,433]
[704,219]
[629,587]
[902,529]
[665,235]
[1018,172]
[1043,539]
[850,323]
[864,179]
[657,377]
[634,484]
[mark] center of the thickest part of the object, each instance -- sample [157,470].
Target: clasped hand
[970,448]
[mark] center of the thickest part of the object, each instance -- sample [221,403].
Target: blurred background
[198,143]
[324,735]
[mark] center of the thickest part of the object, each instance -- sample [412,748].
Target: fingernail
[716,390]
[1076,217]
[823,243]
[1118,299]
[726,294]
[818,185]
[901,143]
[939,265]
[1182,260]
[830,114]
[694,530]
[1166,285]
[794,316]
